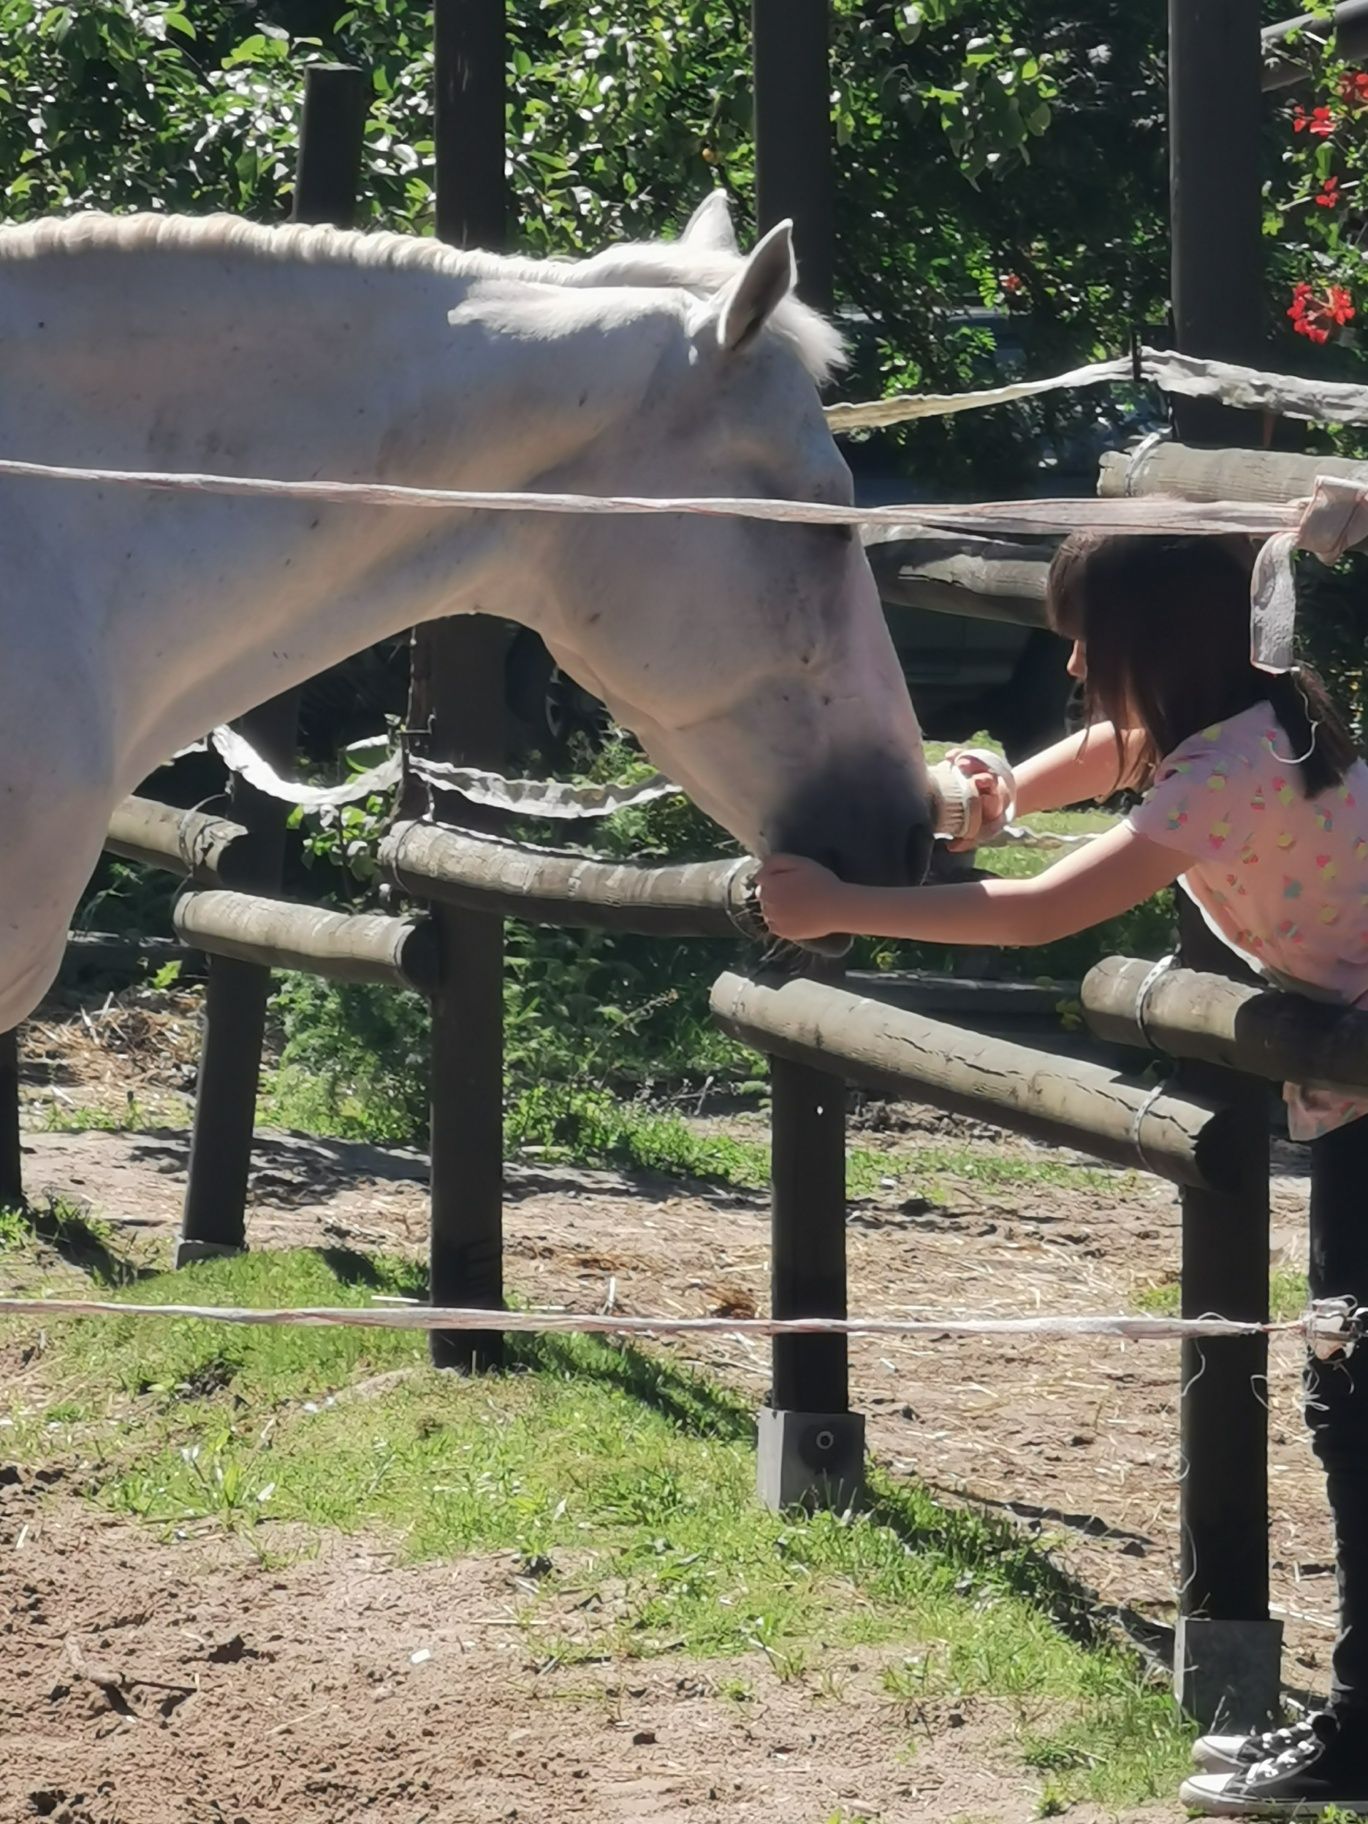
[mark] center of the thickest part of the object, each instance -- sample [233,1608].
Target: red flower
[1013,282]
[1339,305]
[1329,193]
[1314,317]
[1353,88]
[1319,123]
[1304,314]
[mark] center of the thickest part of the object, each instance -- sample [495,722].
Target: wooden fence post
[1228,1652]
[11,1155]
[810,1446]
[213,1222]
[811,1449]
[1215,205]
[794,172]
[456,713]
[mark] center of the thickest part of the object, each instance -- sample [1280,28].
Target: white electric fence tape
[1333,1324]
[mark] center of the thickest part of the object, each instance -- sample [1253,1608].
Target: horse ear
[709,228]
[752,298]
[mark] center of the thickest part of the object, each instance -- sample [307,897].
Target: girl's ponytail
[1314,728]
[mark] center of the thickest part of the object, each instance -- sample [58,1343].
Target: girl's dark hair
[1165,626]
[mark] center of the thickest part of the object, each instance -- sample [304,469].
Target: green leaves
[1002,98]
[908,22]
[972,142]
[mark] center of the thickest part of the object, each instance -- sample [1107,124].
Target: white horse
[751,659]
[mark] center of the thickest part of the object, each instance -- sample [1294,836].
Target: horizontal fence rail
[553,887]
[1061,1100]
[994,579]
[1003,579]
[1262,1031]
[208,849]
[1288,46]
[342,946]
[1180,472]
[1187,376]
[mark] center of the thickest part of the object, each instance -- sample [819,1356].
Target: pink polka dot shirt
[1281,878]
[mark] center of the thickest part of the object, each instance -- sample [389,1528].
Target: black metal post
[794,169]
[11,1155]
[457,714]
[213,1222]
[1227,1660]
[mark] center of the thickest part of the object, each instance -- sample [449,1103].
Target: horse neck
[201,607]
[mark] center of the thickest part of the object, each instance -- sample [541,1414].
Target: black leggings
[1337,1390]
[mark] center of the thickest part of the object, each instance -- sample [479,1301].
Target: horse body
[751,659]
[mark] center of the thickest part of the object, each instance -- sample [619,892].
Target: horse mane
[701,272]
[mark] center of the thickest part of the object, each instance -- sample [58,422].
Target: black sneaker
[1233,1753]
[1328,1765]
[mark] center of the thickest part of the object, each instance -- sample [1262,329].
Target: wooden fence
[822,1036]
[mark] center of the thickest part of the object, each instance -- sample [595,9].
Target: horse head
[752,659]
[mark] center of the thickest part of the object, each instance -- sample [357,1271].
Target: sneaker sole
[1205,1794]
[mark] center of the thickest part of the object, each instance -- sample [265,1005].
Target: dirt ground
[1076,1439]
[348,1687]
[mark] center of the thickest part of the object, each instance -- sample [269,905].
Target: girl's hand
[994,797]
[799,899]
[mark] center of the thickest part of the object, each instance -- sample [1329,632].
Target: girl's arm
[800,899]
[1082,766]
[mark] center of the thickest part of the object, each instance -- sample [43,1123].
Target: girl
[1255,801]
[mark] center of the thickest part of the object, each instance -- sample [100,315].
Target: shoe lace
[1298,1755]
[1277,1741]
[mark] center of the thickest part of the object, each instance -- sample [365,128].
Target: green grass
[16,1231]
[1021,864]
[133,1117]
[592,1127]
[991,1169]
[1287,1296]
[623,1472]
[64,1227]
[560,1123]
